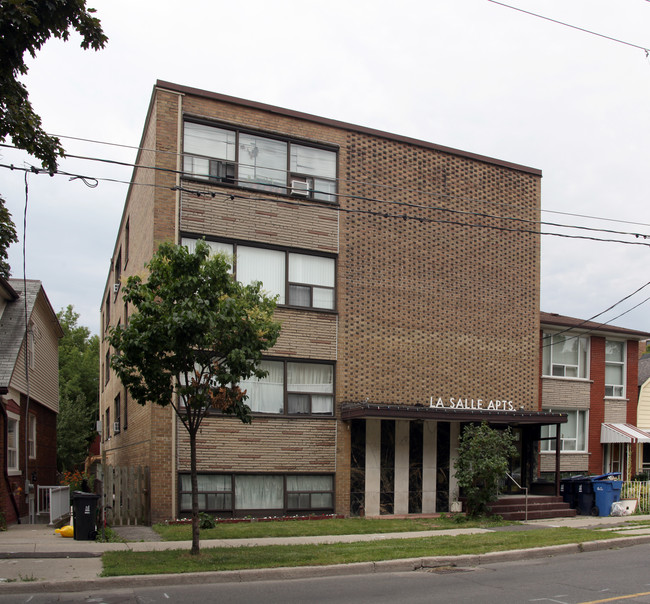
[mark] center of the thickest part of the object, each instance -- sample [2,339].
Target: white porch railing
[639,490]
[55,500]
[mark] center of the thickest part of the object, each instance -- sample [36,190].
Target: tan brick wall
[267,444]
[569,462]
[615,412]
[563,394]
[430,305]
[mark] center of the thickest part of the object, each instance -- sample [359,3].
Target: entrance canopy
[623,433]
[446,414]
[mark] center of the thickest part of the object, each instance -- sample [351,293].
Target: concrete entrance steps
[540,507]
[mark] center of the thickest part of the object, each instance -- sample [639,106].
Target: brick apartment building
[589,371]
[408,283]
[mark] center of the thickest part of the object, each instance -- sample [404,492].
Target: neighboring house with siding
[29,394]
[407,290]
[643,413]
[590,372]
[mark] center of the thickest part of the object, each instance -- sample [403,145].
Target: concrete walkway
[35,558]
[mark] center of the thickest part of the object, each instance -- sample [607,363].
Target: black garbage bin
[583,489]
[84,510]
[569,490]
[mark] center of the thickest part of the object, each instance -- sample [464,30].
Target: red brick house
[29,395]
[590,372]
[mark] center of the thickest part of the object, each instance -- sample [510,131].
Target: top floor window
[259,162]
[614,369]
[564,355]
[297,279]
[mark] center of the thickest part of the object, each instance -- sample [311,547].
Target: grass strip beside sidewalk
[271,556]
[332,526]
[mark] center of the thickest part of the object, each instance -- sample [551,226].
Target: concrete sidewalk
[35,558]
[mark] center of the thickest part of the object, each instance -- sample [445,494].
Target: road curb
[304,572]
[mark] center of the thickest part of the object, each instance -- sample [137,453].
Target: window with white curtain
[266,395]
[311,281]
[259,162]
[259,492]
[302,280]
[309,388]
[12,444]
[573,434]
[267,266]
[614,369]
[239,494]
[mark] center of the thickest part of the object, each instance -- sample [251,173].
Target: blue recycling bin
[607,490]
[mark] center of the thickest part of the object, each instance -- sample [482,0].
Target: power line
[377,213]
[376,200]
[339,180]
[582,29]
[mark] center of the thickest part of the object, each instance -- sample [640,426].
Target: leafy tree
[25,25]
[195,334]
[483,456]
[78,390]
[7,237]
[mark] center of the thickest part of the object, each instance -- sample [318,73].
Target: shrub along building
[407,277]
[589,371]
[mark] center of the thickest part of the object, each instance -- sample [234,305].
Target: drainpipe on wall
[6,472]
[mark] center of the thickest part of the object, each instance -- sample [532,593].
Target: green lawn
[234,558]
[334,526]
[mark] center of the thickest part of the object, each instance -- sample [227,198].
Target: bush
[483,455]
[206,521]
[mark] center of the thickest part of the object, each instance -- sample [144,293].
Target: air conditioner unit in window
[300,187]
[222,171]
[116,427]
[116,287]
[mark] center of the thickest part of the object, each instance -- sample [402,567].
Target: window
[107,367]
[614,369]
[31,438]
[117,406]
[241,494]
[107,311]
[309,389]
[12,444]
[127,241]
[125,412]
[107,430]
[309,492]
[296,279]
[573,434]
[565,355]
[259,162]
[118,271]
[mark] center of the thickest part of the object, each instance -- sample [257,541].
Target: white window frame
[13,451]
[550,368]
[31,443]
[616,390]
[548,446]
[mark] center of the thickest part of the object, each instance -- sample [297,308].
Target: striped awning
[623,433]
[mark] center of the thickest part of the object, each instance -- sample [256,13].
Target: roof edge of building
[343,125]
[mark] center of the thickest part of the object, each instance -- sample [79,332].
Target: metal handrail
[526,492]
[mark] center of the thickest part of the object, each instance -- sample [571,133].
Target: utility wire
[582,29]
[339,180]
[373,200]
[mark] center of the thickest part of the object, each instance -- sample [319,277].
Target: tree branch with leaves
[196,333]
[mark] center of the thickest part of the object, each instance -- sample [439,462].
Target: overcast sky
[468,74]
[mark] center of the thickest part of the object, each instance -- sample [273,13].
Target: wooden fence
[126,495]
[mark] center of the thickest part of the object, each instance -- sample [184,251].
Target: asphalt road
[597,577]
